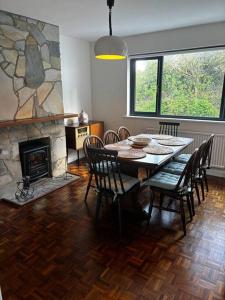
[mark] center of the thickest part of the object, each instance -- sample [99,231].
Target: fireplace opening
[35,157]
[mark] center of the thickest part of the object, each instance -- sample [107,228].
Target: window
[187,85]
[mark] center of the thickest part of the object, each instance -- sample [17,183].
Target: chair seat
[174,168]
[183,158]
[128,183]
[164,180]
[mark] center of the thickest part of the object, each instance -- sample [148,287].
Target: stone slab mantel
[11,123]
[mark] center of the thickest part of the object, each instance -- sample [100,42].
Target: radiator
[218,151]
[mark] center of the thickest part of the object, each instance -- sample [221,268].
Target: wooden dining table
[152,161]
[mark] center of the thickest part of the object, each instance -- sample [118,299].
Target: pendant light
[110,47]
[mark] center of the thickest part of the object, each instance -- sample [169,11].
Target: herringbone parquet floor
[50,249]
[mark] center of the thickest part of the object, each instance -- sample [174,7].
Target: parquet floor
[50,249]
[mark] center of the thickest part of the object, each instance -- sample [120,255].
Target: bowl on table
[141,141]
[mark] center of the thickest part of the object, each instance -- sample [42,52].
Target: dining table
[149,157]
[150,160]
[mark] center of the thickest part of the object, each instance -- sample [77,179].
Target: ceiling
[88,19]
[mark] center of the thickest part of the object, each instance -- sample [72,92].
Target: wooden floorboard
[51,249]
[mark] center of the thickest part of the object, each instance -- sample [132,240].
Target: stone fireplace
[30,88]
[30,68]
[10,163]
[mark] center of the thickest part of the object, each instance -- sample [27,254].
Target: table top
[152,161]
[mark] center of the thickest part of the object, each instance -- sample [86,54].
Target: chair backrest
[196,168]
[110,137]
[169,128]
[123,133]
[94,141]
[206,157]
[185,179]
[106,169]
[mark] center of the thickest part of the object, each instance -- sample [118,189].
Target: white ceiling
[88,19]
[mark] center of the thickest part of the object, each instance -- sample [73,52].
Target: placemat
[158,150]
[172,142]
[161,136]
[124,142]
[117,147]
[131,154]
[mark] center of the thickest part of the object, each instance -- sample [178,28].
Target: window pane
[146,85]
[193,83]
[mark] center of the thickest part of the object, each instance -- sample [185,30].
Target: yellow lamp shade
[110,48]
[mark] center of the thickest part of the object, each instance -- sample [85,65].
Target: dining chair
[123,133]
[197,178]
[206,160]
[110,137]
[174,186]
[109,179]
[169,128]
[96,142]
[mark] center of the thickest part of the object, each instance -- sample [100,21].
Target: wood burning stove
[35,158]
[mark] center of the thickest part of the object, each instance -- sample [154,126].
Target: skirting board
[216,172]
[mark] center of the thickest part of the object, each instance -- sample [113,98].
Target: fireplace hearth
[35,158]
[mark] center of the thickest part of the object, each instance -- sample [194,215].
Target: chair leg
[192,203]
[202,188]
[197,192]
[119,216]
[189,207]
[98,206]
[206,180]
[183,215]
[161,201]
[147,173]
[88,187]
[152,197]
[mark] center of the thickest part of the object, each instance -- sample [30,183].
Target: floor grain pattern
[50,249]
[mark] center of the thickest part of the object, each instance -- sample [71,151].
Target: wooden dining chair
[169,128]
[206,160]
[177,168]
[109,179]
[123,133]
[95,142]
[110,137]
[175,187]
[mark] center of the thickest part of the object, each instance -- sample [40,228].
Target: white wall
[76,74]
[109,79]
[76,78]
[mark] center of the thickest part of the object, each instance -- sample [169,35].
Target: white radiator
[218,152]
